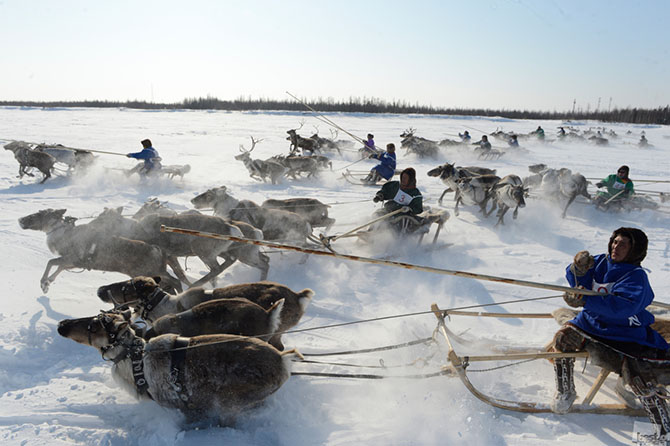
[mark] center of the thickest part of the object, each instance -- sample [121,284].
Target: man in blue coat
[150,157]
[386,168]
[617,322]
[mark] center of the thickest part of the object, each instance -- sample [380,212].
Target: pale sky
[512,54]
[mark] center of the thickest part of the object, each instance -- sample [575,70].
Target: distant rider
[539,132]
[386,168]
[483,143]
[150,157]
[513,141]
[465,137]
[369,146]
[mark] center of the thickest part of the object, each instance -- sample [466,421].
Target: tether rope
[376,319]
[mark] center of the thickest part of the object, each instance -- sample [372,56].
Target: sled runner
[459,364]
[398,221]
[359,179]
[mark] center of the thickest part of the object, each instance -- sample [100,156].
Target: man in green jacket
[401,193]
[619,187]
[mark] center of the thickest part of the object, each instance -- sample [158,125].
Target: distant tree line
[660,115]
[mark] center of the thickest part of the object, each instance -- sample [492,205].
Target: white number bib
[403,198]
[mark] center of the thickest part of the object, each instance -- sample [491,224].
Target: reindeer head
[153,206]
[246,154]
[435,172]
[99,331]
[43,220]
[208,198]
[134,291]
[408,133]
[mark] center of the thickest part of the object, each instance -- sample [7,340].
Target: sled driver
[401,193]
[386,168]
[614,328]
[368,146]
[152,162]
[619,187]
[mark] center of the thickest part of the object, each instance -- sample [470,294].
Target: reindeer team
[154,327]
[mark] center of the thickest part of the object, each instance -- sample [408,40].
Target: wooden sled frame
[458,365]
[440,219]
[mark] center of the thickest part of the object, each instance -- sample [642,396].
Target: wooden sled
[404,225]
[458,366]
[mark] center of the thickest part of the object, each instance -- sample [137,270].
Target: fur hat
[146,143]
[411,184]
[638,241]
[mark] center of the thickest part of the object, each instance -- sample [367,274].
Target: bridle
[131,347]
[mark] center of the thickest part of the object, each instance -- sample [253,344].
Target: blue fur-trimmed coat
[620,315]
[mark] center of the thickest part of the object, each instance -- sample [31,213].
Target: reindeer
[557,184]
[84,246]
[147,299]
[223,376]
[258,169]
[298,142]
[246,253]
[508,193]
[27,157]
[236,316]
[73,158]
[296,165]
[421,146]
[179,245]
[175,170]
[451,176]
[325,143]
[276,224]
[315,212]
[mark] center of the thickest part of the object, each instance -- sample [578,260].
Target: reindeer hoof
[44,284]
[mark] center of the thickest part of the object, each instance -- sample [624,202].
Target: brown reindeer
[450,175]
[179,245]
[557,184]
[236,316]
[298,142]
[508,193]
[258,169]
[85,246]
[421,146]
[151,302]
[276,224]
[469,189]
[27,157]
[205,377]
[315,212]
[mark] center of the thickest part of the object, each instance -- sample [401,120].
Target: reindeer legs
[215,269]
[46,279]
[173,263]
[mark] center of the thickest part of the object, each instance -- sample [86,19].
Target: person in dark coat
[616,322]
[150,157]
[398,194]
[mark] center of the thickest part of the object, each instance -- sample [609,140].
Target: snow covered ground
[54,391]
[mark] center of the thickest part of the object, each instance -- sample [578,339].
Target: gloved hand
[600,184]
[371,157]
[128,155]
[575,300]
[582,262]
[378,197]
[405,209]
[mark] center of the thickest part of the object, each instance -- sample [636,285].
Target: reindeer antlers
[253,144]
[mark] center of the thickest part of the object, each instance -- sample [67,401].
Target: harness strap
[152,300]
[136,356]
[177,360]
